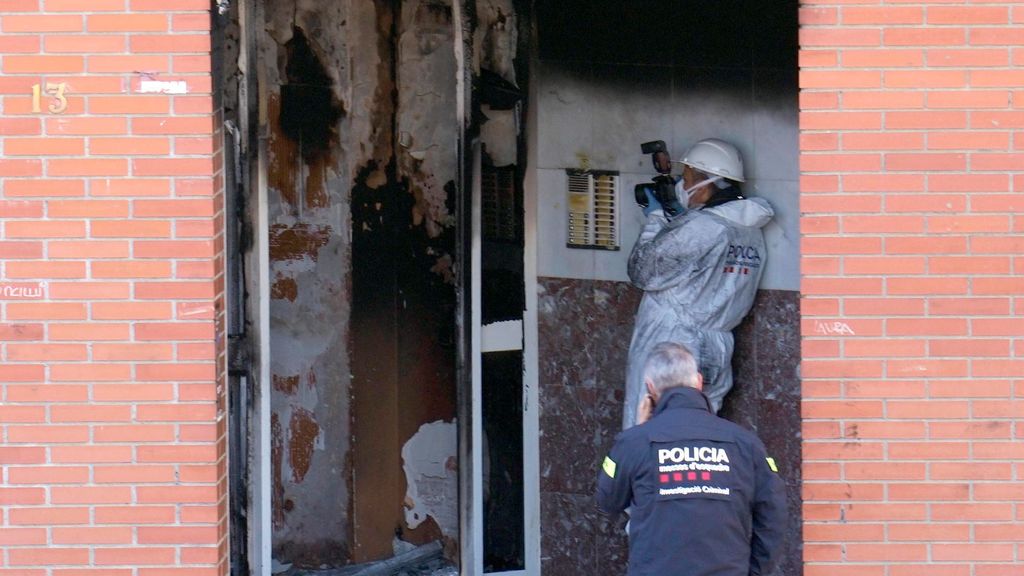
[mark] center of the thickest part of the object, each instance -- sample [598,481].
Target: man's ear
[650,388]
[700,382]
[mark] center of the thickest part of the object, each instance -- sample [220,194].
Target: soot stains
[309,109]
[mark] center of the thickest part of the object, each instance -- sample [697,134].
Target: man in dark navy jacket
[704,497]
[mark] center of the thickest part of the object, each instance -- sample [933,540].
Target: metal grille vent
[498,217]
[592,199]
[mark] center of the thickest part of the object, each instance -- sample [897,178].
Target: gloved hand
[652,203]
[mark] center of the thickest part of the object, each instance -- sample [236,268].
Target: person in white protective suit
[699,271]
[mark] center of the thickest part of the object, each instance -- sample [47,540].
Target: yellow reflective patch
[771,463]
[609,467]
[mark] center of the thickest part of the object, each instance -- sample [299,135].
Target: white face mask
[688,193]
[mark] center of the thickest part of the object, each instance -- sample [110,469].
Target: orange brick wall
[912,159]
[113,452]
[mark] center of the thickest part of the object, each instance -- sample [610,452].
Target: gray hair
[670,365]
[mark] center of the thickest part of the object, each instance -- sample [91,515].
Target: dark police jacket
[705,498]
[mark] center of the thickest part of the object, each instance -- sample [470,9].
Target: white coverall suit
[699,273]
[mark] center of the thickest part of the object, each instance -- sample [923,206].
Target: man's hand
[645,410]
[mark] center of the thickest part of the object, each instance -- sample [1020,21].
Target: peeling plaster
[430,462]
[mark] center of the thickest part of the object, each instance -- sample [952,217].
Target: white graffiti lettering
[833,328]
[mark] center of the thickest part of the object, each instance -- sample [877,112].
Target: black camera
[662,187]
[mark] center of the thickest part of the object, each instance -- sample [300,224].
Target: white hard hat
[717,157]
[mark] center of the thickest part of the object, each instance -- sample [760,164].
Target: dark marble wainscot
[584,331]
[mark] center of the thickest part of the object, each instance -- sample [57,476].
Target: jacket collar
[682,397]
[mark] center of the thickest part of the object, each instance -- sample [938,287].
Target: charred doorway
[346,121]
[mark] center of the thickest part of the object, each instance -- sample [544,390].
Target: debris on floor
[426,560]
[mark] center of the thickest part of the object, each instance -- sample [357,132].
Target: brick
[49,516]
[836,79]
[139,433]
[885,430]
[969,141]
[40,23]
[929,492]
[79,44]
[131,229]
[88,167]
[178,453]
[174,372]
[27,270]
[922,532]
[22,496]
[882,58]
[86,126]
[883,100]
[46,352]
[837,37]
[992,161]
[178,494]
[974,388]
[971,57]
[135,473]
[182,125]
[927,410]
[134,392]
[89,332]
[24,64]
[883,183]
[16,168]
[968,224]
[177,535]
[885,388]
[130,187]
[974,552]
[45,229]
[127,23]
[22,414]
[131,311]
[48,393]
[201,351]
[969,348]
[129,146]
[22,536]
[997,36]
[124,352]
[129,104]
[188,269]
[93,413]
[973,100]
[172,43]
[90,372]
[840,120]
[925,120]
[191,64]
[192,146]
[973,511]
[102,535]
[890,15]
[87,209]
[135,515]
[842,410]
[85,5]
[172,166]
[925,79]
[47,556]
[130,269]
[930,285]
[886,552]
[20,127]
[175,413]
[88,249]
[45,311]
[91,454]
[926,36]
[991,430]
[842,286]
[926,327]
[44,146]
[134,556]
[961,15]
[190,22]
[926,245]
[174,331]
[929,451]
[970,471]
[48,475]
[90,495]
[173,290]
[840,162]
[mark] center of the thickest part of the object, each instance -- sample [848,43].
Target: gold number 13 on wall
[56,91]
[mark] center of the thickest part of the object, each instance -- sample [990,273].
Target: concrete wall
[594,109]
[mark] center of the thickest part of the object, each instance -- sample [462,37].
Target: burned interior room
[443,356]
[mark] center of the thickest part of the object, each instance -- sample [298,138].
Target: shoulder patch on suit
[609,467]
[771,463]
